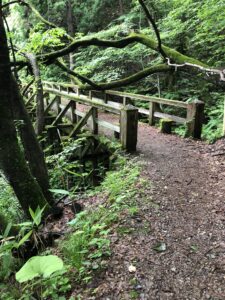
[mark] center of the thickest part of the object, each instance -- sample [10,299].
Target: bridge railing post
[152,109]
[195,117]
[94,120]
[105,96]
[129,127]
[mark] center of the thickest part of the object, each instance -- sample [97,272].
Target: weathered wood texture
[129,127]
[195,116]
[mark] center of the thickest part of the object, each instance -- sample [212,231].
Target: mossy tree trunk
[12,160]
[32,148]
[40,118]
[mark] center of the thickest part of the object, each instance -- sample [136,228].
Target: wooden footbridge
[73,108]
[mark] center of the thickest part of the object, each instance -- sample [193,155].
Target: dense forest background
[195,28]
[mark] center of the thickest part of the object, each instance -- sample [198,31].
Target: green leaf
[73,173]
[32,213]
[39,266]
[24,239]
[37,215]
[25,224]
[59,191]
[7,230]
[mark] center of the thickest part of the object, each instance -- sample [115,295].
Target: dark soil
[183,213]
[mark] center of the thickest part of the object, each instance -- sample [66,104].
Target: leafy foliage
[89,244]
[214,127]
[39,266]
[71,171]
[9,205]
[41,40]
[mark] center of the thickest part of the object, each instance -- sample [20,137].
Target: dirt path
[184,212]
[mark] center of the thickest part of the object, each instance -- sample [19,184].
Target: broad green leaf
[39,266]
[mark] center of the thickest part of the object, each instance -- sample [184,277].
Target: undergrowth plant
[9,205]
[214,127]
[88,246]
[71,169]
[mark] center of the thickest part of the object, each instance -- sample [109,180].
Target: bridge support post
[94,120]
[73,115]
[58,102]
[129,127]
[195,115]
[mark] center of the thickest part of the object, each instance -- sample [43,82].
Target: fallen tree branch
[168,53]
[149,42]
[208,71]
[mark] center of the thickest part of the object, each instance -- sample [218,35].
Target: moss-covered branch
[122,43]
[49,57]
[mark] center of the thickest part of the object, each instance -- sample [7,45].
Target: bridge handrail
[100,104]
[158,100]
[194,109]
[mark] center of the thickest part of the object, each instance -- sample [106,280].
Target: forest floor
[175,245]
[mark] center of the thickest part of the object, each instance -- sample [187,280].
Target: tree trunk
[32,148]
[40,118]
[12,160]
[70,26]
